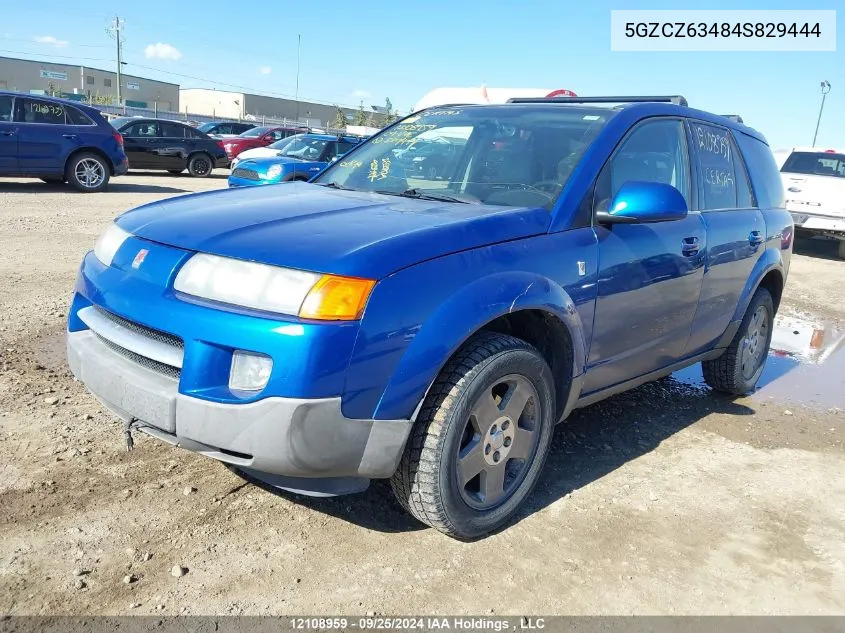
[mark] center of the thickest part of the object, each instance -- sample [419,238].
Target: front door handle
[690,246]
[8,132]
[70,136]
[755,238]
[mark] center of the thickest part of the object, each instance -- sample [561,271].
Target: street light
[825,85]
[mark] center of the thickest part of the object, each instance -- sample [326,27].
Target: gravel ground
[667,499]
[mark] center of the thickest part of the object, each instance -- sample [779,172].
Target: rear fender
[458,318]
[770,260]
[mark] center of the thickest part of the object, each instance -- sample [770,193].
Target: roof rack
[734,117]
[676,99]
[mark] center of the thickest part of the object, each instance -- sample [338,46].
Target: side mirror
[644,202]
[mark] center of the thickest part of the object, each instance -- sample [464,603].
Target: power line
[90,59]
[33,41]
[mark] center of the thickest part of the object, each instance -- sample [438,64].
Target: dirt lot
[667,499]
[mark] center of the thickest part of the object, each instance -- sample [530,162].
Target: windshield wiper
[424,195]
[334,185]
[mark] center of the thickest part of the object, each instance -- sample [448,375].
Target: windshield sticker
[376,173]
[403,134]
[590,117]
[442,113]
[351,163]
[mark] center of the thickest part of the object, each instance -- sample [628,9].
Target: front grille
[246,174]
[143,361]
[155,335]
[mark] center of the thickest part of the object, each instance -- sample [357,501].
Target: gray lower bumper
[285,437]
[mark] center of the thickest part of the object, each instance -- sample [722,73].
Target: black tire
[739,367]
[490,366]
[54,181]
[175,172]
[87,172]
[200,165]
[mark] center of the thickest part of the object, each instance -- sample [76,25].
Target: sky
[378,49]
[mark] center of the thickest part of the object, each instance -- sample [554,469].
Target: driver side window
[654,152]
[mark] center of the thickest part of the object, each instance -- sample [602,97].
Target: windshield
[304,147]
[279,145]
[510,155]
[255,132]
[816,164]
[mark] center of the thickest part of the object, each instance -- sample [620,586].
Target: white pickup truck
[814,184]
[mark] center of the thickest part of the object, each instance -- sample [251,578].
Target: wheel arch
[768,273]
[89,150]
[523,305]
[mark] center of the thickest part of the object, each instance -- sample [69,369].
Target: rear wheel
[87,172]
[479,444]
[739,367]
[200,165]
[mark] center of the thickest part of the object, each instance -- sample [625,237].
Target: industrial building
[84,82]
[240,105]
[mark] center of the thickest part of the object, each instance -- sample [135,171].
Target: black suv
[169,145]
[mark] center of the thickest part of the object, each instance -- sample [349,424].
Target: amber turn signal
[336,298]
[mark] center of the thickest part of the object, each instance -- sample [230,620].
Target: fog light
[250,372]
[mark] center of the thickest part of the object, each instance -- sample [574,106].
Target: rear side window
[714,158]
[172,130]
[763,170]
[5,108]
[77,117]
[37,111]
[192,133]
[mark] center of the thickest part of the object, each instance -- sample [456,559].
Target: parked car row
[60,141]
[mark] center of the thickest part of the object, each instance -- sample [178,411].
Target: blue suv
[369,324]
[58,141]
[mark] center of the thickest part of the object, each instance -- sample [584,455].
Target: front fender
[459,317]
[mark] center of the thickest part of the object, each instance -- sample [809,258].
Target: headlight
[273,171]
[274,289]
[109,243]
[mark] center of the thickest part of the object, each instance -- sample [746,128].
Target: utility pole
[116,31]
[825,89]
[298,46]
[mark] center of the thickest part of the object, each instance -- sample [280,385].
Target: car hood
[311,227]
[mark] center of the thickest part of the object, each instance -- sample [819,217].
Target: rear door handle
[70,136]
[690,246]
[755,238]
[8,132]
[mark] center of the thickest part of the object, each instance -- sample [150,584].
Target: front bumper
[307,445]
[816,222]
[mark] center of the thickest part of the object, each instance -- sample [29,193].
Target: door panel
[735,226]
[650,275]
[170,146]
[44,139]
[8,137]
[138,143]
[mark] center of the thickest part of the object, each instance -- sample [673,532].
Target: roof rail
[676,99]
[734,117]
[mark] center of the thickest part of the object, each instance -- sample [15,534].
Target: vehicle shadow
[217,174]
[113,187]
[814,247]
[590,444]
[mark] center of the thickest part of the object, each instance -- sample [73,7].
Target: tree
[52,90]
[360,115]
[339,121]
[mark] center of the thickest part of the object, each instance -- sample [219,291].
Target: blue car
[369,324]
[304,156]
[58,141]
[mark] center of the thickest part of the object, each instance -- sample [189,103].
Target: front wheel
[87,173]
[740,366]
[479,444]
[200,165]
